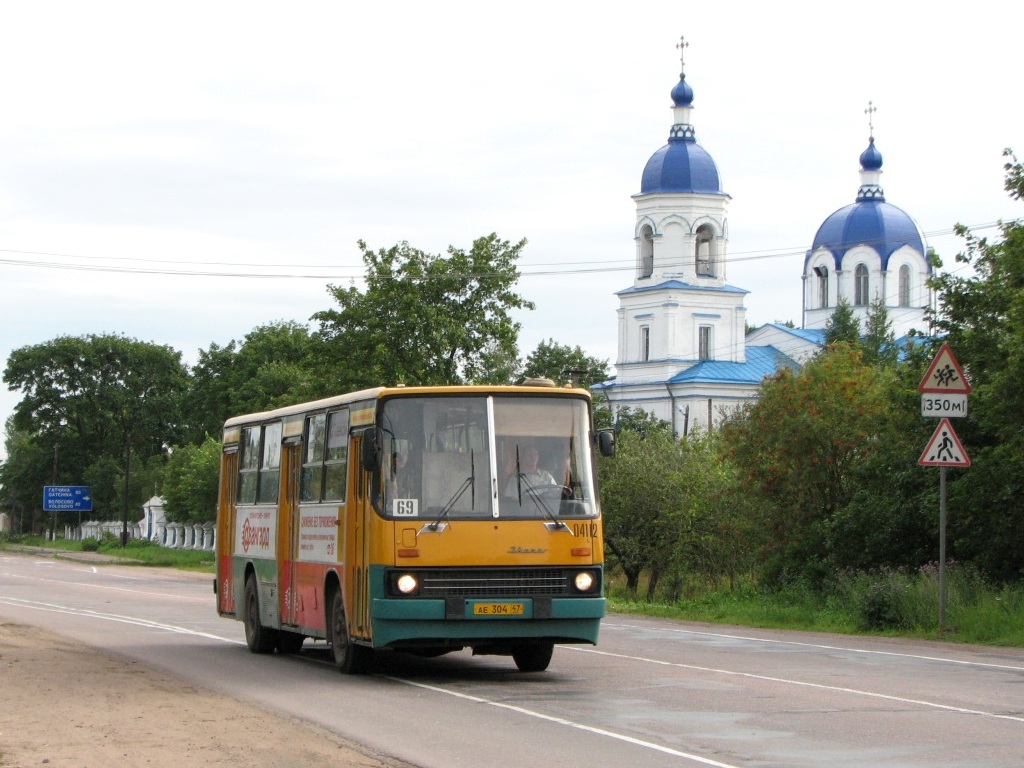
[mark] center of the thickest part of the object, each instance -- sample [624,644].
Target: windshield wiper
[469,482]
[536,497]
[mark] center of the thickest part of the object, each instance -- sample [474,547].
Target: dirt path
[66,705]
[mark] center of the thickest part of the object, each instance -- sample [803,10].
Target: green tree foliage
[812,444]
[275,364]
[879,342]
[91,401]
[424,318]
[981,317]
[641,492]
[842,325]
[562,363]
[191,482]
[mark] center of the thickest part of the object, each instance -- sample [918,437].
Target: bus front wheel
[533,657]
[350,658]
[257,637]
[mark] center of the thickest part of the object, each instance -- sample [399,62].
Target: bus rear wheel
[351,659]
[258,638]
[534,657]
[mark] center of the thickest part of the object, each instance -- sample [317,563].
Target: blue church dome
[682,165]
[870,221]
[682,94]
[874,223]
[871,158]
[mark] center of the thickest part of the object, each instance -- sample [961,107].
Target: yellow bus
[418,519]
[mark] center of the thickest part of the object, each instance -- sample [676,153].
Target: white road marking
[786,681]
[565,722]
[819,646]
[54,608]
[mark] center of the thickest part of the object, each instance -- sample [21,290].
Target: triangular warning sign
[944,375]
[944,449]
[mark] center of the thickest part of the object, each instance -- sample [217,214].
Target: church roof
[682,165]
[679,285]
[761,362]
[870,221]
[874,223]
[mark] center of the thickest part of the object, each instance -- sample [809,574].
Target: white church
[684,354]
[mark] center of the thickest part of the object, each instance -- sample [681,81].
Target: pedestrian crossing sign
[944,449]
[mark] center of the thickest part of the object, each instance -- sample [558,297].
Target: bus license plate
[499,609]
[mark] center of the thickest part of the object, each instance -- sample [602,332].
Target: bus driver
[530,475]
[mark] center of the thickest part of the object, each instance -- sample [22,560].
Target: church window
[645,343]
[822,273]
[860,286]
[705,250]
[646,252]
[704,350]
[905,286]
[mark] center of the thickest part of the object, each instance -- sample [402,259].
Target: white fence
[173,535]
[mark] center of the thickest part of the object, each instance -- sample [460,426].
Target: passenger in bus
[530,475]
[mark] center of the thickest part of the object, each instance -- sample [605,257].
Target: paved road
[653,693]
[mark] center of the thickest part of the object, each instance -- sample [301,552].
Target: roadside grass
[892,603]
[136,552]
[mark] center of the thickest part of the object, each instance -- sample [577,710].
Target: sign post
[944,391]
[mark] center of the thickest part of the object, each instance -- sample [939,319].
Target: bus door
[289,533]
[357,545]
[225,536]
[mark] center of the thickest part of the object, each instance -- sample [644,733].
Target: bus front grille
[498,582]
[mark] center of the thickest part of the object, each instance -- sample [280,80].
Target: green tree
[191,482]
[811,442]
[842,325]
[879,342]
[562,363]
[97,398]
[981,317]
[274,365]
[424,318]
[640,499]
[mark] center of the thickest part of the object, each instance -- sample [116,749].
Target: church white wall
[674,318]
[884,285]
[690,407]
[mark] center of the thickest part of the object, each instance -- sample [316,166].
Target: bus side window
[249,465]
[270,466]
[336,456]
[313,461]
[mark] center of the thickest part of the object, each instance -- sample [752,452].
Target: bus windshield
[494,456]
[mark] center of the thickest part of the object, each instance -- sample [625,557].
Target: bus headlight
[584,581]
[407,584]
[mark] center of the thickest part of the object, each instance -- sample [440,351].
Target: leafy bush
[90,544]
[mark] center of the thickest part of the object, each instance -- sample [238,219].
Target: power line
[526,270]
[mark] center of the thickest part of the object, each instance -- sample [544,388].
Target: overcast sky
[190,171]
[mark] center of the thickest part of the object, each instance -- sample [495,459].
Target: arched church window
[646,252]
[645,343]
[860,286]
[822,273]
[905,286]
[705,250]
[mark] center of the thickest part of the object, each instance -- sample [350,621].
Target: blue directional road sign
[67,498]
